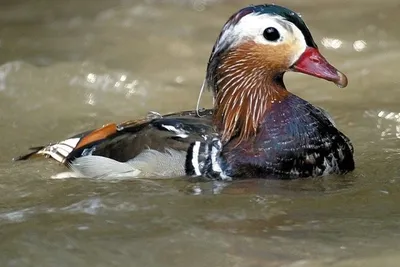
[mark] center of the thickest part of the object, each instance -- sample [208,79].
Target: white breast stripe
[214,163]
[195,158]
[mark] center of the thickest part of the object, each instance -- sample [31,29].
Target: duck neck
[244,92]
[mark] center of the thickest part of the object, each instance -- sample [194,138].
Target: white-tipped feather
[72,142]
[60,150]
[179,132]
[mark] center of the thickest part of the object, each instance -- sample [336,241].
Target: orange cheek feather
[247,88]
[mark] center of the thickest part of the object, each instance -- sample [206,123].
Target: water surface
[67,66]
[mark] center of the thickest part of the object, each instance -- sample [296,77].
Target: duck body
[257,128]
[296,140]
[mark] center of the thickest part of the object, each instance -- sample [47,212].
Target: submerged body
[255,129]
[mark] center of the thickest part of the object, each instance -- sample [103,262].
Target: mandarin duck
[256,129]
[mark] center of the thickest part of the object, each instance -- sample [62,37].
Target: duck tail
[34,152]
[204,159]
[64,150]
[58,151]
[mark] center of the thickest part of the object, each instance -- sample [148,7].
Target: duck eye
[271,34]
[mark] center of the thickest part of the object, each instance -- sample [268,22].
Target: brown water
[67,66]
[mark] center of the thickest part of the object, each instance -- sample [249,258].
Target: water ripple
[387,122]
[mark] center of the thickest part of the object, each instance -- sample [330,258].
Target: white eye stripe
[251,28]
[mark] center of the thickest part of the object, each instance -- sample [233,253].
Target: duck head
[257,45]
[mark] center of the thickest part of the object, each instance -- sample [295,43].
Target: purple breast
[295,139]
